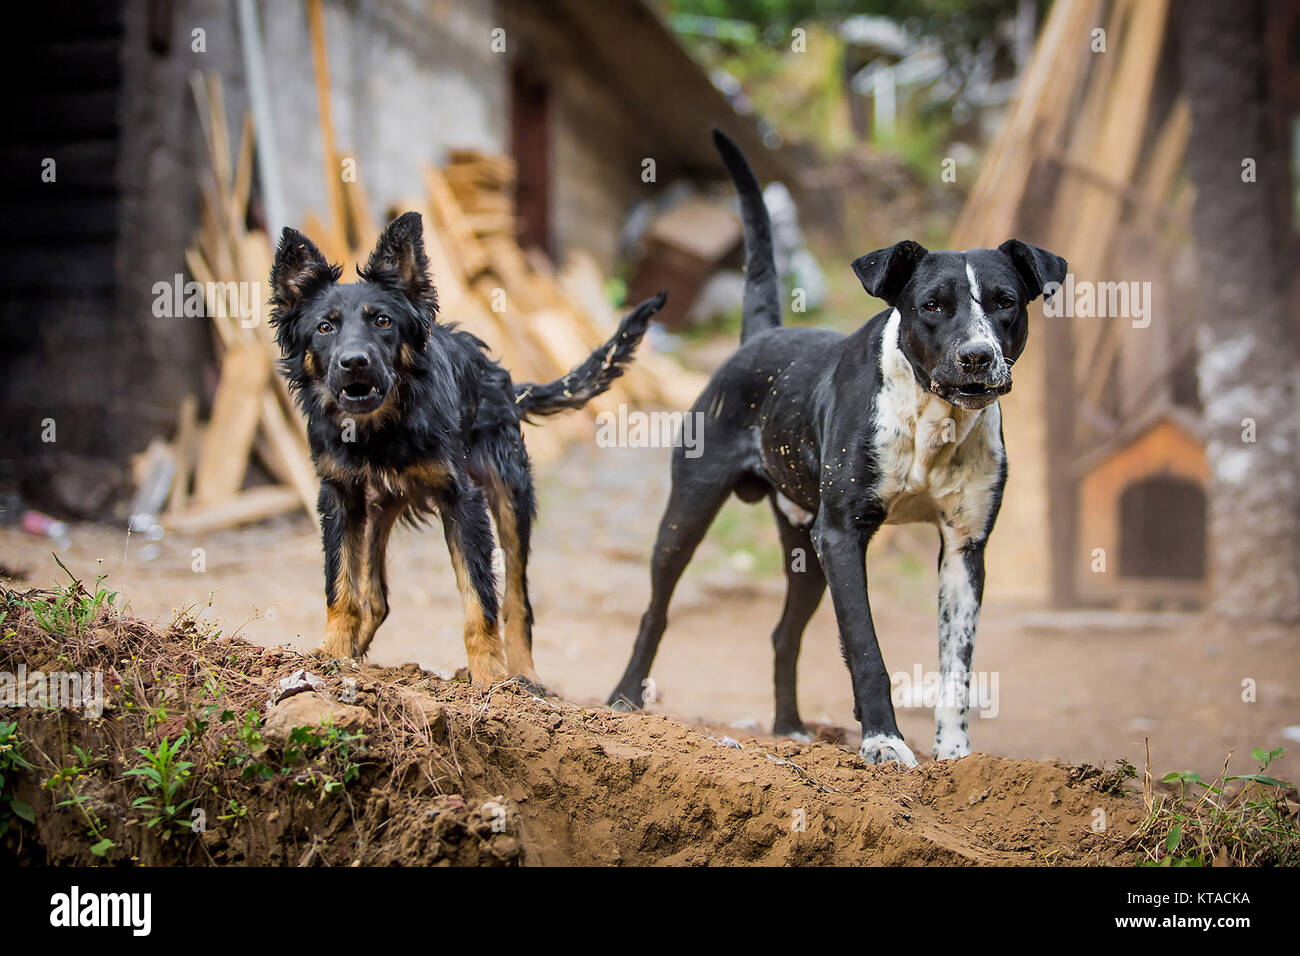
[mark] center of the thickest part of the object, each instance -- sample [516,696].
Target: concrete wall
[410,78]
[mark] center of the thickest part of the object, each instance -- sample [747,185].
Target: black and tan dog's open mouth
[359,391]
[360,397]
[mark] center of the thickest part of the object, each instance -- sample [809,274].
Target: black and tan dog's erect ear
[884,273]
[399,259]
[299,270]
[1037,267]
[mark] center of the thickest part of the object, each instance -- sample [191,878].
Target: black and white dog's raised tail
[897,422]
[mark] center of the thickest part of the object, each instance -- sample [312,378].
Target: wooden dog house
[1142,519]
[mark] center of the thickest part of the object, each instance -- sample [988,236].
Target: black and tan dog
[408,416]
[898,422]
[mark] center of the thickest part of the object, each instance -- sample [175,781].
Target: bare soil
[452,773]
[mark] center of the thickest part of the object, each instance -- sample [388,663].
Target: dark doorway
[529,105]
[1162,529]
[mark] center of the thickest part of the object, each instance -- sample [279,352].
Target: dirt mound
[439,771]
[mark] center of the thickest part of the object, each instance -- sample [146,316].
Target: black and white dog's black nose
[975,356]
[354,362]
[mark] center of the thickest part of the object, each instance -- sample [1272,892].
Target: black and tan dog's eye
[324,328]
[383,321]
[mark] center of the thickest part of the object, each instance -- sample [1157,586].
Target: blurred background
[1144,578]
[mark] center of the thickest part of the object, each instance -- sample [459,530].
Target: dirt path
[1082,694]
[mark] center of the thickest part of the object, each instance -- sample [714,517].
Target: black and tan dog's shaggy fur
[408,416]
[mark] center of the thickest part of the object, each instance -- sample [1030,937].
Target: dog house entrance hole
[1162,529]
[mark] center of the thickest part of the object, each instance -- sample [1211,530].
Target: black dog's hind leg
[841,541]
[804,586]
[469,539]
[695,499]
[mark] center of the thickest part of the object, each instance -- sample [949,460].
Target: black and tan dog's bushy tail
[594,375]
[762,306]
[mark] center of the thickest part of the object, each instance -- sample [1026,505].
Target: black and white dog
[898,422]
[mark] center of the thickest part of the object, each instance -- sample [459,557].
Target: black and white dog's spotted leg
[961,588]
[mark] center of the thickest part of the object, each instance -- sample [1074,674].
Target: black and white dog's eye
[930,305]
[324,328]
[1006,302]
[383,321]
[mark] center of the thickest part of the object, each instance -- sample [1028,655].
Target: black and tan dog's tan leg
[372,578]
[961,590]
[343,532]
[514,528]
[469,539]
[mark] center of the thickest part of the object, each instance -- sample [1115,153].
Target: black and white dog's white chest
[933,462]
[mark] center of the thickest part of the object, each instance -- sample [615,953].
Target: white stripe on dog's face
[983,328]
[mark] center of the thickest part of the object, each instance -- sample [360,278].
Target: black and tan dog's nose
[354,362]
[975,357]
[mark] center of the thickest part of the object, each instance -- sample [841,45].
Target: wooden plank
[335,205]
[225,328]
[186,443]
[294,465]
[1034,122]
[235,414]
[449,219]
[255,504]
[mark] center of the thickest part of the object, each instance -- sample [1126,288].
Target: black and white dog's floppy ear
[299,270]
[884,273]
[1037,267]
[399,258]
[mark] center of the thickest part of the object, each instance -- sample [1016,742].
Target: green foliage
[66,780]
[323,758]
[164,776]
[247,747]
[71,608]
[12,761]
[1206,822]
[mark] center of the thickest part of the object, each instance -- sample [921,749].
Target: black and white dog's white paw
[951,742]
[882,748]
[951,749]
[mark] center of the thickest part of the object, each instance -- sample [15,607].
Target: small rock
[299,682]
[310,709]
[731,742]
